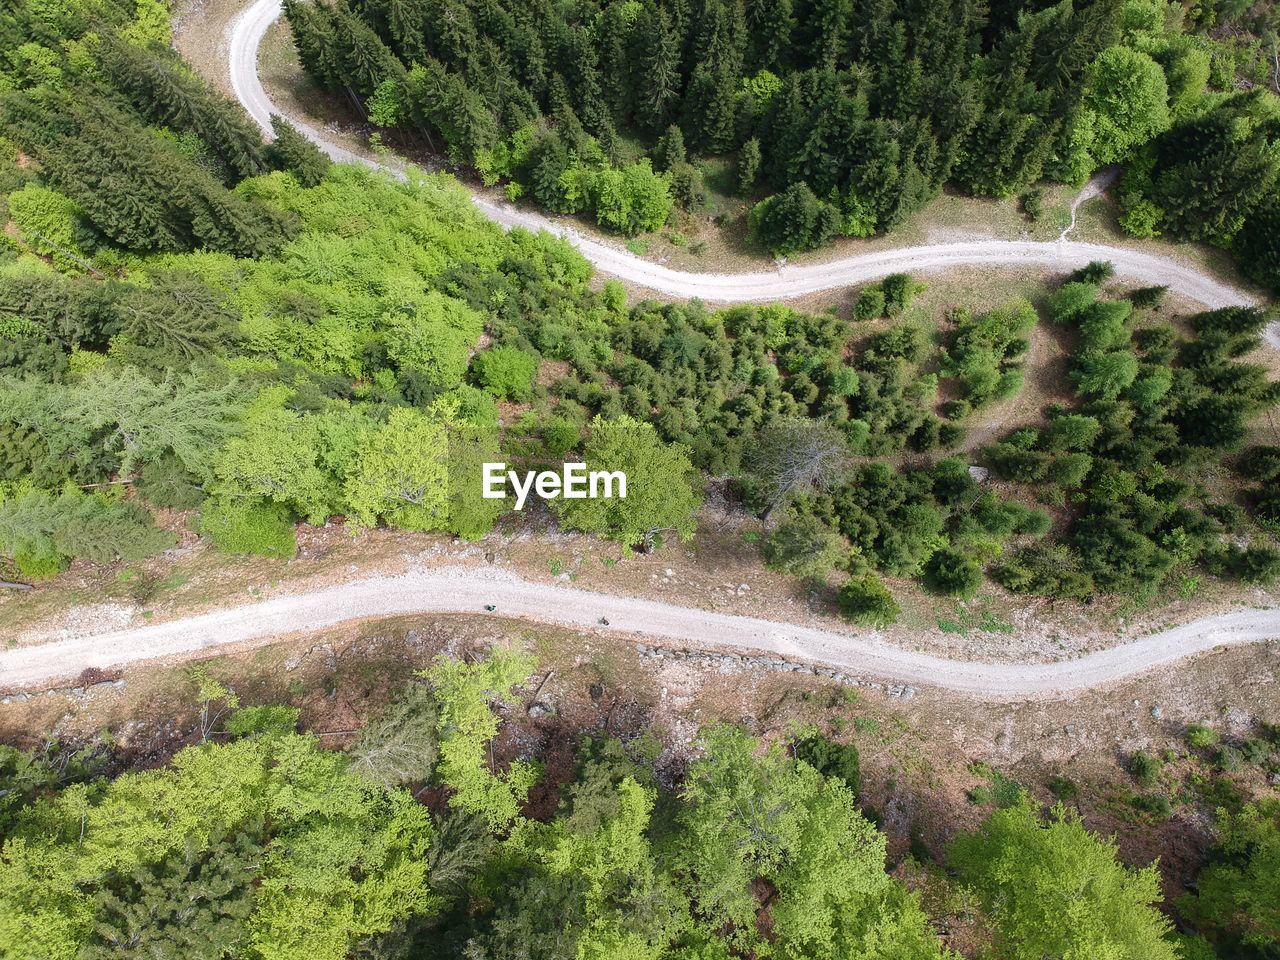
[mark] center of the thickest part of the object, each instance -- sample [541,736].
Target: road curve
[454,590]
[245,33]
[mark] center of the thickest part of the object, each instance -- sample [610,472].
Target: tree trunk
[14,586]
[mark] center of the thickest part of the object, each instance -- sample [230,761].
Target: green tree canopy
[1053,889]
[662,486]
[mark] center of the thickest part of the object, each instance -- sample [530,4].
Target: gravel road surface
[468,590]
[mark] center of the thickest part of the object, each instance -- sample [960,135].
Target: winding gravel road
[244,36]
[468,590]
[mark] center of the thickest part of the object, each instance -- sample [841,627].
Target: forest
[196,321]
[840,117]
[256,842]
[197,327]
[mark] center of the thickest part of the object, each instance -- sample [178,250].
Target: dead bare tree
[795,455]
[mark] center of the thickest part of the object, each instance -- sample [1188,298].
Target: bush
[1260,463]
[1140,217]
[794,220]
[631,200]
[1256,752]
[1144,768]
[1062,788]
[249,527]
[1096,272]
[1033,204]
[803,546]
[1249,564]
[833,760]
[1153,803]
[506,372]
[870,303]
[1200,737]
[899,291]
[953,572]
[949,435]
[271,721]
[1226,759]
[867,600]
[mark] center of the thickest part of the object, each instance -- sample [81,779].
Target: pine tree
[770,25]
[510,103]
[451,32]
[658,69]
[710,110]
[825,30]
[176,319]
[748,167]
[293,152]
[315,38]
[162,87]
[670,150]
[614,40]
[194,903]
[366,60]
[719,37]
[579,66]
[1213,171]
[404,24]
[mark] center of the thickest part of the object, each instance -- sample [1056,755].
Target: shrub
[834,760]
[867,600]
[1153,803]
[953,572]
[803,546]
[249,527]
[950,434]
[1256,752]
[870,303]
[631,200]
[1226,759]
[506,372]
[1260,463]
[1250,564]
[1140,217]
[49,224]
[1144,768]
[1033,204]
[1063,789]
[899,291]
[271,721]
[1200,737]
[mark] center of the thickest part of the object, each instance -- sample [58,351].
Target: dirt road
[245,35]
[467,590]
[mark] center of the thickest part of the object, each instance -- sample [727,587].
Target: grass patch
[999,790]
[982,620]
